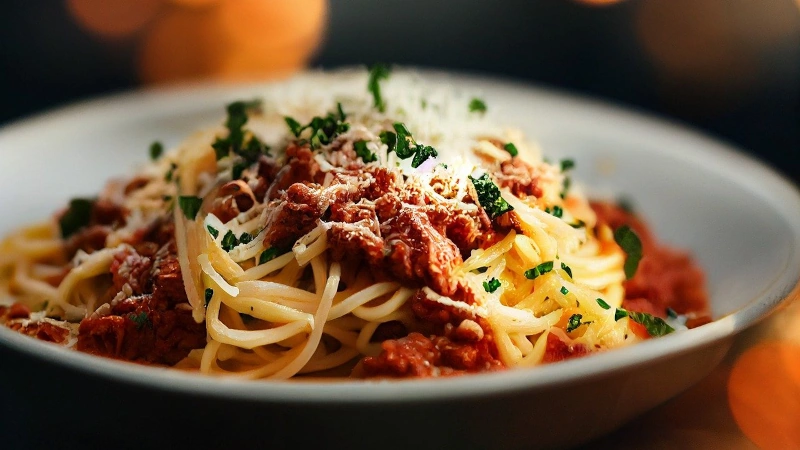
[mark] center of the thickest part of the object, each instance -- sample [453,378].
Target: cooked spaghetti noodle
[355,221]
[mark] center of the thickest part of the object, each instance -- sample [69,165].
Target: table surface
[750,401]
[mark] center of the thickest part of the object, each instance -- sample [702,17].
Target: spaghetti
[350,221]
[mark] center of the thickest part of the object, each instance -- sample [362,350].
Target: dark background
[728,67]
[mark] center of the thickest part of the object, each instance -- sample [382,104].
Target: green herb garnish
[404,145]
[77,216]
[268,255]
[156,149]
[603,304]
[565,190]
[170,172]
[363,152]
[141,320]
[539,270]
[489,196]
[556,211]
[567,269]
[630,243]
[511,149]
[377,73]
[323,130]
[477,105]
[564,290]
[655,326]
[491,285]
[212,231]
[245,238]
[567,164]
[236,141]
[209,294]
[229,241]
[190,205]
[574,322]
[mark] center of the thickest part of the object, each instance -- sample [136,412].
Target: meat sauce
[373,217]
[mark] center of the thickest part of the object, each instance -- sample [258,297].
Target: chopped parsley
[212,231]
[141,320]
[238,169]
[237,141]
[268,255]
[170,172]
[156,149]
[630,243]
[574,322]
[603,304]
[489,196]
[323,130]
[209,294]
[377,73]
[655,326]
[567,269]
[477,105]
[539,270]
[245,238]
[578,224]
[564,290]
[511,149]
[77,216]
[403,143]
[491,285]
[190,205]
[481,269]
[363,152]
[671,313]
[567,164]
[556,211]
[229,241]
[565,190]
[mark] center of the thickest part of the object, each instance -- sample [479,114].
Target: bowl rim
[780,193]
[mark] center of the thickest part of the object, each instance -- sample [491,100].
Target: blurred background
[728,67]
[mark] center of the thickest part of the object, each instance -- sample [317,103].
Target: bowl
[739,218]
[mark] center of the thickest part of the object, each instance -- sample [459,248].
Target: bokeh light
[764,394]
[210,39]
[115,19]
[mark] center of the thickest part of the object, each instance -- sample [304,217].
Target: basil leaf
[229,241]
[603,304]
[630,243]
[268,255]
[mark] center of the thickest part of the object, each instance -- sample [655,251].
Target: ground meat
[146,326]
[15,317]
[666,278]
[458,343]
[417,252]
[294,215]
[521,178]
[105,217]
[558,350]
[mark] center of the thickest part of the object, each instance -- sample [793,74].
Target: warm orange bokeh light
[194,3]
[600,2]
[232,40]
[117,18]
[764,395]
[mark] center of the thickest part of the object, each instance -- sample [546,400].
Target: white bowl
[739,218]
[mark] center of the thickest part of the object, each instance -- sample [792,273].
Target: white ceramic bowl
[739,218]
